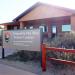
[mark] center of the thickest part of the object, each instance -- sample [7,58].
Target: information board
[22,39]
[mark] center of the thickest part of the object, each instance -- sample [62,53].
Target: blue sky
[9,9]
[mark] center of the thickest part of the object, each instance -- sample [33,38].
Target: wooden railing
[45,48]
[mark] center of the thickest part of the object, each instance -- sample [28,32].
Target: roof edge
[27,11]
[39,3]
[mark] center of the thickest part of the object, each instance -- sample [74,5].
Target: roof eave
[26,12]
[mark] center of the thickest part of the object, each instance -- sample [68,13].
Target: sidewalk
[7,70]
[35,68]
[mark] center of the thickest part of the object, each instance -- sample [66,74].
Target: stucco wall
[73,23]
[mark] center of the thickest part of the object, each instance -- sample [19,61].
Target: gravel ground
[34,67]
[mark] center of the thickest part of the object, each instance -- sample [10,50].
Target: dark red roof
[10,23]
[38,4]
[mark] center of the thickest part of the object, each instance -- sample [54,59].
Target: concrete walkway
[33,68]
[7,70]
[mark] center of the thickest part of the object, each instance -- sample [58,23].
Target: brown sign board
[22,39]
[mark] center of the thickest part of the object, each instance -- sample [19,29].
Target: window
[43,28]
[54,29]
[31,27]
[25,27]
[66,27]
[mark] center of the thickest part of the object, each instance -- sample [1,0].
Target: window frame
[54,32]
[45,28]
[25,27]
[31,27]
[64,30]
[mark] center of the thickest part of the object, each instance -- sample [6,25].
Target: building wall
[49,22]
[5,27]
[73,23]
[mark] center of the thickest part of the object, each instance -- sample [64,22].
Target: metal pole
[3,55]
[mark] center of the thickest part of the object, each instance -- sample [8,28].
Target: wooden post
[43,58]
[21,25]
[5,27]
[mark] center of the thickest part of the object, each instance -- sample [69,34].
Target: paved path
[7,70]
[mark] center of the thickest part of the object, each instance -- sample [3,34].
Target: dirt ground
[35,67]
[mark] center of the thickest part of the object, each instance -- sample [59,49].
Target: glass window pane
[53,29]
[31,27]
[25,27]
[66,27]
[42,28]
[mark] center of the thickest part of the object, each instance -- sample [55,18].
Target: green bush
[24,55]
[63,41]
[67,40]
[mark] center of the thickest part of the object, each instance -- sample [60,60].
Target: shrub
[24,55]
[66,41]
